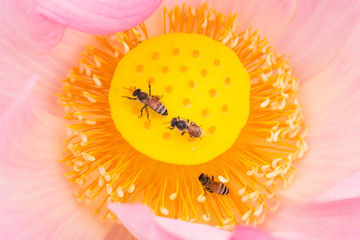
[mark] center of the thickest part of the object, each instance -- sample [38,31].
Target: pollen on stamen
[88,96]
[222,179]
[164,211]
[97,61]
[173,196]
[120,192]
[109,188]
[102,171]
[246,216]
[107,177]
[87,70]
[242,191]
[201,198]
[206,218]
[97,80]
[84,138]
[131,188]
[265,103]
[101,181]
[90,122]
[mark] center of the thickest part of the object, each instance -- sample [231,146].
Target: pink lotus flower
[37,202]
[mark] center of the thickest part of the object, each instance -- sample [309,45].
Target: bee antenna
[129,89]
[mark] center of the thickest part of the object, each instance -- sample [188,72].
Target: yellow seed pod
[199,79]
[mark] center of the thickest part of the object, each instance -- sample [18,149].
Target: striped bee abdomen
[157,106]
[223,190]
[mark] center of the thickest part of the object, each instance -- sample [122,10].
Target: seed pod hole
[155,55]
[213,93]
[186,102]
[227,81]
[169,89]
[135,110]
[205,112]
[165,69]
[192,84]
[139,68]
[166,136]
[183,69]
[217,62]
[196,53]
[211,130]
[225,108]
[204,73]
[176,52]
[147,125]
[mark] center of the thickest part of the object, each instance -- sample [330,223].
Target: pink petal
[331,106]
[317,32]
[16,66]
[246,233]
[95,16]
[119,232]
[330,220]
[270,18]
[36,200]
[26,31]
[349,188]
[144,225]
[140,222]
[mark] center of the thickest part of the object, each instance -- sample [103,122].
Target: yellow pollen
[212,104]
[252,121]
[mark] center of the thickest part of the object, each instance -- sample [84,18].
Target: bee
[185,126]
[211,186]
[149,100]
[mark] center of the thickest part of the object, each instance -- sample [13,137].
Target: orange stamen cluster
[108,169]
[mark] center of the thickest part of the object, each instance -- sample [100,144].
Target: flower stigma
[213,103]
[234,87]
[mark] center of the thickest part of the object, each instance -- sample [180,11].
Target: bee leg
[171,128]
[188,120]
[142,110]
[212,177]
[182,134]
[147,112]
[149,89]
[129,97]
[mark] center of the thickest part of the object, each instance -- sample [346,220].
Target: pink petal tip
[98,17]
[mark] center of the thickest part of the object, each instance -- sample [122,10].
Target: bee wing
[203,133]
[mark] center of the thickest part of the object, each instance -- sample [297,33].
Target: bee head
[136,92]
[203,178]
[173,122]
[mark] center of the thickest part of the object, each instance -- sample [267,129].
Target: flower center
[200,82]
[194,70]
